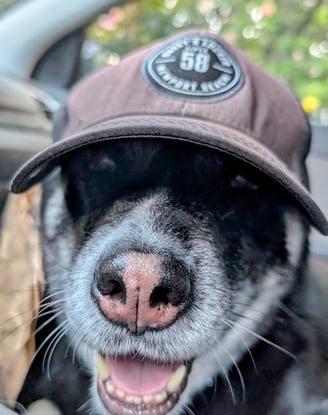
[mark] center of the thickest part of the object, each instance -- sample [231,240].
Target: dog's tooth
[129,399]
[102,367]
[169,404]
[176,379]
[137,400]
[147,398]
[119,393]
[110,388]
[161,397]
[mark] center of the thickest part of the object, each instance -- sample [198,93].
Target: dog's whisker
[214,389]
[36,308]
[243,341]
[43,314]
[86,407]
[23,323]
[48,321]
[39,328]
[22,313]
[53,305]
[74,351]
[227,214]
[77,338]
[241,378]
[51,349]
[44,342]
[293,315]
[226,376]
[69,346]
[265,340]
[189,410]
[244,316]
[92,411]
[251,307]
[53,294]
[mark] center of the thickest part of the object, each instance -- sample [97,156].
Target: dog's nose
[142,290]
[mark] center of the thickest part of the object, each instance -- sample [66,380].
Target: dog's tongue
[139,377]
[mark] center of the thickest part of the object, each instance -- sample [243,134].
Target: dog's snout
[142,290]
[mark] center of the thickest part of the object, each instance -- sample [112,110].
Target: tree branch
[307,18]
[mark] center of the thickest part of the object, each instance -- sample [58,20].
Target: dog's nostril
[160,295]
[112,287]
[167,295]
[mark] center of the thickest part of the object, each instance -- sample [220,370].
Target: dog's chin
[134,385]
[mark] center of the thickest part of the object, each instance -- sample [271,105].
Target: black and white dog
[178,275]
[180,278]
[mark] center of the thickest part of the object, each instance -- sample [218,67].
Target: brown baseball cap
[191,87]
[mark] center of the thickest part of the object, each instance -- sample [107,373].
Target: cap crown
[257,104]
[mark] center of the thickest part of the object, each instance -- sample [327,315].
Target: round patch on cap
[196,67]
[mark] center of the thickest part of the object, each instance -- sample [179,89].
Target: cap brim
[174,128]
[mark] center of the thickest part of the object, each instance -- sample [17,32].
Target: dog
[177,272]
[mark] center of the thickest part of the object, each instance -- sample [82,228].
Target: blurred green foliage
[288,38]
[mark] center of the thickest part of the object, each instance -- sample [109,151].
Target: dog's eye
[102,163]
[242,182]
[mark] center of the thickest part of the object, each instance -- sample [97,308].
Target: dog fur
[247,330]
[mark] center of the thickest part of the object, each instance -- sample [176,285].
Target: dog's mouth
[133,385]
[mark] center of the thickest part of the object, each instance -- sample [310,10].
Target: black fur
[202,196]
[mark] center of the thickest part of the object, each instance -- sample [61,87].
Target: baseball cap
[192,87]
